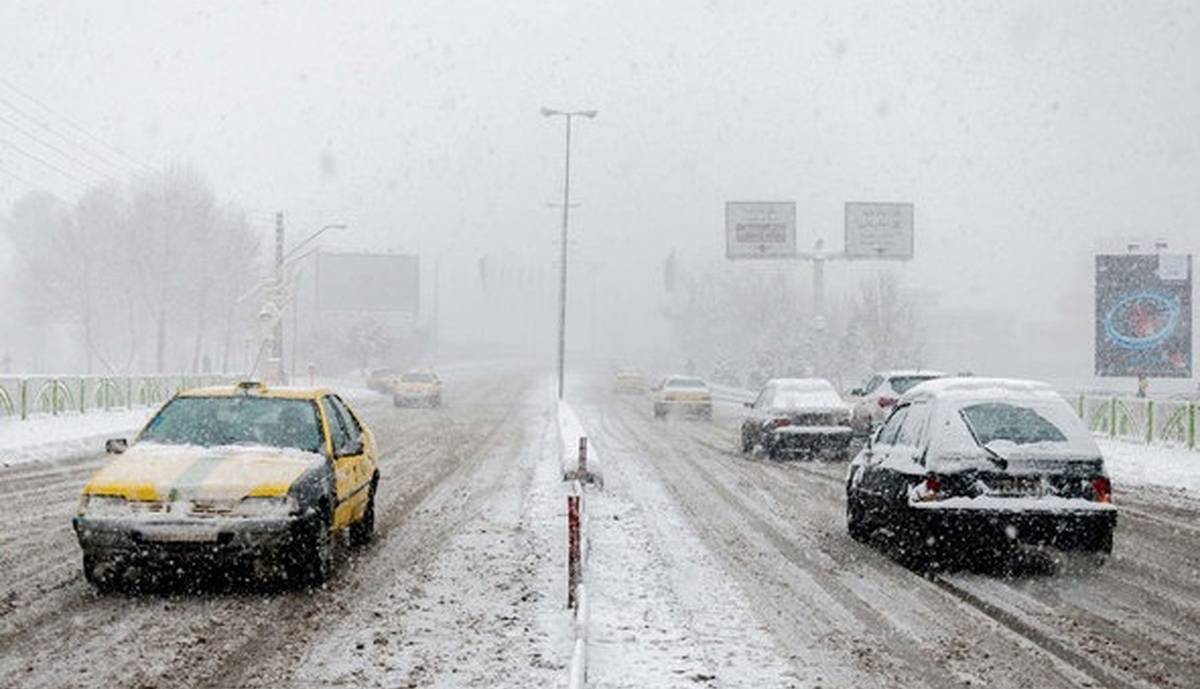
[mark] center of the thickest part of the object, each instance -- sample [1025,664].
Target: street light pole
[277,297]
[566,210]
[277,330]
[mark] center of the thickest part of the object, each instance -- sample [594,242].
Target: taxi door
[364,460]
[347,454]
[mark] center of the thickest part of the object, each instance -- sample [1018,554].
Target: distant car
[381,379]
[629,381]
[228,475]
[683,394]
[874,399]
[417,389]
[969,466]
[798,417]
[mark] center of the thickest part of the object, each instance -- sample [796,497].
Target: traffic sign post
[879,230]
[760,229]
[767,229]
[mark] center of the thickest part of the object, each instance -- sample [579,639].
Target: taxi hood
[151,471]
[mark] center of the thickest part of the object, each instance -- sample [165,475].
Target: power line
[56,149]
[73,125]
[31,185]
[84,183]
[110,162]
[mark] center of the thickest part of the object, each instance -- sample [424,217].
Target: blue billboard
[1144,315]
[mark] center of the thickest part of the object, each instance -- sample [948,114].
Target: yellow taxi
[629,381]
[417,388]
[686,394]
[241,473]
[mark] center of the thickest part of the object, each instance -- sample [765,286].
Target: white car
[973,467]
[874,399]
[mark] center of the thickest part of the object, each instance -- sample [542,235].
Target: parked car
[232,475]
[683,394]
[874,399]
[798,417]
[966,467]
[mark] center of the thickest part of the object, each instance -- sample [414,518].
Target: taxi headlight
[255,506]
[105,506]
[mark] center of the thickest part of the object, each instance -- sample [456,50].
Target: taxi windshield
[240,420]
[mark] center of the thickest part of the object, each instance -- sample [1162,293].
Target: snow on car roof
[806,393]
[992,388]
[913,373]
[801,384]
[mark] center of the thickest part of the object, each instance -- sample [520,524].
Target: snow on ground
[47,438]
[1151,465]
[663,612]
[492,596]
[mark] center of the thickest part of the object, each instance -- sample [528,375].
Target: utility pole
[566,210]
[277,330]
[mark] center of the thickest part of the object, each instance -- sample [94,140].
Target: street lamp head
[588,113]
[549,112]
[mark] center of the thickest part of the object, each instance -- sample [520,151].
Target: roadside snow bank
[1152,465]
[49,438]
[570,430]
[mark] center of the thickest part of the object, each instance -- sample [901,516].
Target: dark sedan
[798,417]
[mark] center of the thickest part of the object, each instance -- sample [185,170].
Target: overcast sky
[1027,134]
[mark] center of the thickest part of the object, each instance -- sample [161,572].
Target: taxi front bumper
[166,539]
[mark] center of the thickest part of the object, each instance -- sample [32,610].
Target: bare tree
[162,264]
[882,331]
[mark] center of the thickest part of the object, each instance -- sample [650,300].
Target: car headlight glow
[105,506]
[255,506]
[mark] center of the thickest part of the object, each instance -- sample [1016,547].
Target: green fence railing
[24,396]
[1139,419]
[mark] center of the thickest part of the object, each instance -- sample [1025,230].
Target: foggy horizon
[1029,137]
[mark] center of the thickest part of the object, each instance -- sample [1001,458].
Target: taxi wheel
[93,571]
[314,561]
[362,530]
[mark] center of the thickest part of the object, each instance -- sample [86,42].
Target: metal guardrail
[24,396]
[1138,419]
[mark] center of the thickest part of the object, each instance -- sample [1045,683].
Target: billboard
[366,282]
[879,230]
[1144,315]
[760,229]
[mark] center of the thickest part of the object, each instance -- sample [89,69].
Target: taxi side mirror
[354,447]
[116,446]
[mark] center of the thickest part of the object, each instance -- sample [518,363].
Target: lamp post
[566,210]
[280,259]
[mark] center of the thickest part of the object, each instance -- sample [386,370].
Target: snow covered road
[772,542]
[455,591]
[708,568]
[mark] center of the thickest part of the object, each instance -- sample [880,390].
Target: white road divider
[574,438]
